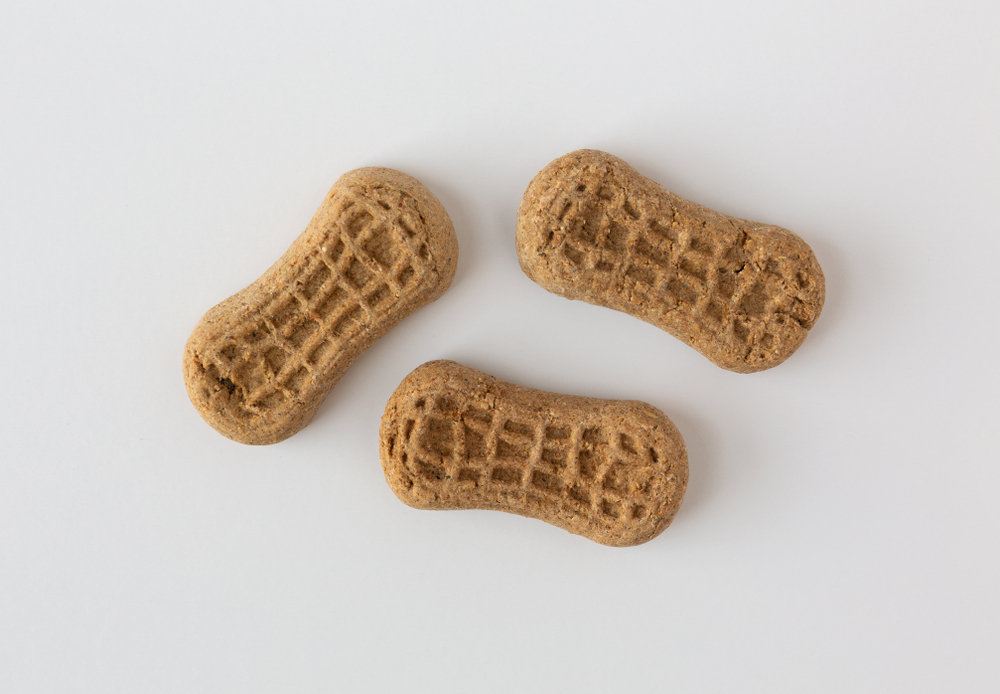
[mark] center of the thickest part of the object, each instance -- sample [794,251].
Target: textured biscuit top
[743,294]
[258,365]
[613,471]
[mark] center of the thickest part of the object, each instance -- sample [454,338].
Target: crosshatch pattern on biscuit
[743,294]
[258,365]
[370,254]
[566,460]
[676,260]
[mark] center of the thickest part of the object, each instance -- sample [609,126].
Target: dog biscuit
[613,471]
[743,294]
[258,365]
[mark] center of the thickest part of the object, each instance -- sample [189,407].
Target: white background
[840,530]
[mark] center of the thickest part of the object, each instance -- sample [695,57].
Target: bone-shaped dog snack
[613,471]
[258,365]
[743,294]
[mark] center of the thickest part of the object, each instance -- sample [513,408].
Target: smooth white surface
[840,531]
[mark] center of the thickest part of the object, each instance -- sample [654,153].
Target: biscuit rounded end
[223,400]
[442,242]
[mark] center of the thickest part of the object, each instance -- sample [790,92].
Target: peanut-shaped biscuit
[743,294]
[452,437]
[258,365]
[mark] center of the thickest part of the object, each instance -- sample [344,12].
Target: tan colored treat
[452,437]
[258,365]
[743,294]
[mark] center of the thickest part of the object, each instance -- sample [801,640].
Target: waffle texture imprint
[743,294]
[613,471]
[258,365]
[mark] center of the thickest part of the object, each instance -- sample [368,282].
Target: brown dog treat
[258,365]
[452,437]
[743,294]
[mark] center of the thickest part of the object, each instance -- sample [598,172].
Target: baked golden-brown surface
[744,294]
[258,365]
[613,471]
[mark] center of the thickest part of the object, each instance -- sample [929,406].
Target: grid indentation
[370,257]
[673,260]
[573,467]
